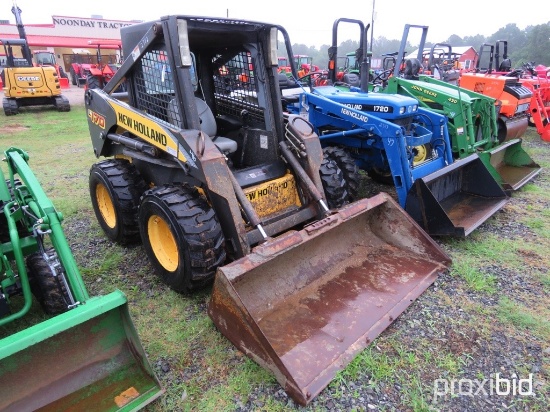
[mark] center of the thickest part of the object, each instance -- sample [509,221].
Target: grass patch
[545,280]
[52,139]
[475,279]
[521,317]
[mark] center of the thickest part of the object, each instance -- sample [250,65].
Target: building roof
[65,41]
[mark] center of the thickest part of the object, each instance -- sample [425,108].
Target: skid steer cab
[200,164]
[84,353]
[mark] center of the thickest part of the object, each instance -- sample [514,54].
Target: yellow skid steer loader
[203,167]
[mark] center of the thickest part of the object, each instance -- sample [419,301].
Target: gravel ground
[451,337]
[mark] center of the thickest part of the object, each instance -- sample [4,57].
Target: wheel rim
[421,154]
[163,243]
[105,205]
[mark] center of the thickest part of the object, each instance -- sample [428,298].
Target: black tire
[334,184]
[74,79]
[181,236]
[349,169]
[93,82]
[115,189]
[48,289]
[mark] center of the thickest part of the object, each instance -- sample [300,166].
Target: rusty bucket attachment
[86,359]
[304,304]
[456,199]
[512,165]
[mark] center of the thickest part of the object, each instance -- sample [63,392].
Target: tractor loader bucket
[513,129]
[513,166]
[456,199]
[304,304]
[86,359]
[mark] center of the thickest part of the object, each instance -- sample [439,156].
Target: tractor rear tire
[334,184]
[48,289]
[181,236]
[115,189]
[93,82]
[74,78]
[349,169]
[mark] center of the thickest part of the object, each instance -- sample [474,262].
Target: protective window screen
[155,87]
[236,88]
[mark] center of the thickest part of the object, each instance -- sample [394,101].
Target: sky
[308,23]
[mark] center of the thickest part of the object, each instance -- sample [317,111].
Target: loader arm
[459,105]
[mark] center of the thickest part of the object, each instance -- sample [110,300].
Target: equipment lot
[489,315]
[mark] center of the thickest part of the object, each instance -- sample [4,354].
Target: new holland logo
[28,78]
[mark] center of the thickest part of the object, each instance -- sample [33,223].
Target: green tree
[537,45]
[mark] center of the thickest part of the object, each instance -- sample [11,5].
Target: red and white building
[72,39]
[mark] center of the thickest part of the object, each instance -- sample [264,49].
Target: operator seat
[352,79]
[505,66]
[208,125]
[412,68]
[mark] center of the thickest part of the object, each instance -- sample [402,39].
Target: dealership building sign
[88,23]
[72,27]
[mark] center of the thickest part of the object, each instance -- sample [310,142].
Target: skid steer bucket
[304,304]
[513,166]
[456,199]
[87,359]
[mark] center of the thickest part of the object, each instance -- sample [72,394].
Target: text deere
[143,129]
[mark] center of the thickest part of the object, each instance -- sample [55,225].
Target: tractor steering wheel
[382,77]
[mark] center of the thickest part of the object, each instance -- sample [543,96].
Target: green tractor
[86,354]
[474,124]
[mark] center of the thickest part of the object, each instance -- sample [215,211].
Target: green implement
[86,355]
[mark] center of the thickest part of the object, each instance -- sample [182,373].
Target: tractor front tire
[181,236]
[334,184]
[48,289]
[115,189]
[349,169]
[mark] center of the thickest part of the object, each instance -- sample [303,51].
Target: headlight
[402,110]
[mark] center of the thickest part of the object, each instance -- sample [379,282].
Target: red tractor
[80,67]
[99,74]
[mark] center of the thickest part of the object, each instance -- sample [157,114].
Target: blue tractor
[398,142]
